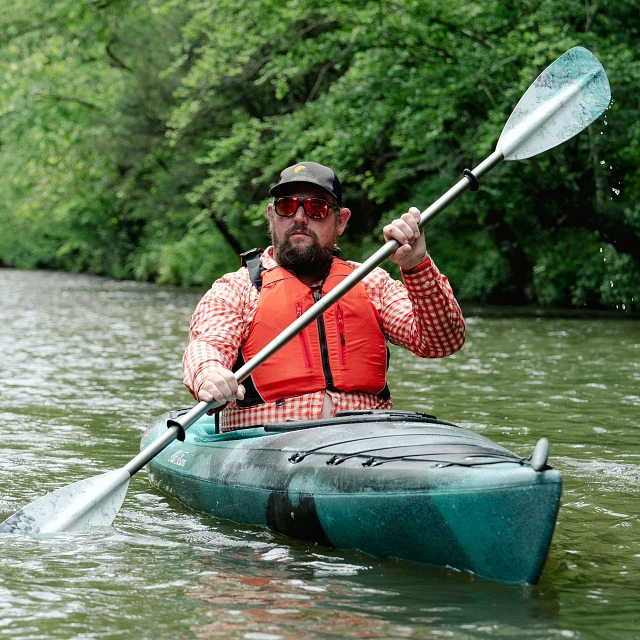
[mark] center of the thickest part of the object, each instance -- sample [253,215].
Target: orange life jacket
[344,349]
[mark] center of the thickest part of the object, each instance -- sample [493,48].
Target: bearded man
[339,362]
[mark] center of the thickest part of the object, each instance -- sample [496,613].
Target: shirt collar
[268,261]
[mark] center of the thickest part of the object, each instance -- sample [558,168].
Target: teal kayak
[387,483]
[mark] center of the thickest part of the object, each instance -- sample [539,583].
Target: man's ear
[343,217]
[271,214]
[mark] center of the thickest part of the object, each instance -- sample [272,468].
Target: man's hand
[413,249]
[220,385]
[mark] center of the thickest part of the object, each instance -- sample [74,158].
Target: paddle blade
[93,502]
[564,99]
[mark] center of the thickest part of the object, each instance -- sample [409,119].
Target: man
[339,362]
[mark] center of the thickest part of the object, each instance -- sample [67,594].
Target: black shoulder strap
[251,260]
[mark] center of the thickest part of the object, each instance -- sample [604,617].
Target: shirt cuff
[422,280]
[425,264]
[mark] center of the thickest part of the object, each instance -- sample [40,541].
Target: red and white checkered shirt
[421,315]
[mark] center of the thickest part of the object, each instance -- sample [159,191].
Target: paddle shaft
[183,422]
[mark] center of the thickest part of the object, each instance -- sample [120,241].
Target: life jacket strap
[251,260]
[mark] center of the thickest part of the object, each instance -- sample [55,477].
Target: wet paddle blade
[565,99]
[94,502]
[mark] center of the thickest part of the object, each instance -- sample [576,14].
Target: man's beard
[305,260]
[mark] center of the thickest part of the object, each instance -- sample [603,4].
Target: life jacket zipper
[343,339]
[324,351]
[303,339]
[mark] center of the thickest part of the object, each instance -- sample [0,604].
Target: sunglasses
[315,208]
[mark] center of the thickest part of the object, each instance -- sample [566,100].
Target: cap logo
[299,168]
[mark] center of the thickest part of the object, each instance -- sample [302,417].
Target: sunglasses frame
[301,202]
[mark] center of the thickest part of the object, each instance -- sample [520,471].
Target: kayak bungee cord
[301,455]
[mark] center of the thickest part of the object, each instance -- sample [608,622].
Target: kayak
[391,484]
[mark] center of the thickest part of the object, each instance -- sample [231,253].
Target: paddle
[568,96]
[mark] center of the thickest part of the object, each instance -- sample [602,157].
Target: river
[87,363]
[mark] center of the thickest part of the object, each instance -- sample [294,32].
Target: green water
[87,363]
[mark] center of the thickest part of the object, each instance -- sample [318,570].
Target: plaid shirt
[421,315]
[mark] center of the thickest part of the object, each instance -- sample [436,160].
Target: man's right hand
[220,385]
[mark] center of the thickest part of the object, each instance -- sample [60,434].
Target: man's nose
[300,215]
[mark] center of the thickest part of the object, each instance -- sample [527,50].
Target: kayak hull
[389,484]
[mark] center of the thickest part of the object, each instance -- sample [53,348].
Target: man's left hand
[413,248]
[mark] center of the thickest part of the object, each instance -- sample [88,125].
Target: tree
[176,117]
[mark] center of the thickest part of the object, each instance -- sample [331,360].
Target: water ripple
[88,362]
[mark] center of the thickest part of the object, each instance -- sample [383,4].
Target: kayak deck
[390,484]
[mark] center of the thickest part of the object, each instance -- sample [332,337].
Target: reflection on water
[315,594]
[88,362]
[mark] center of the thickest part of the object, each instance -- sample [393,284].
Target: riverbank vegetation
[138,138]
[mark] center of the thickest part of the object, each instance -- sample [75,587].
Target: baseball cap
[309,172]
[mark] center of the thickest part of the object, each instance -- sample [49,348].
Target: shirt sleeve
[216,331]
[421,314]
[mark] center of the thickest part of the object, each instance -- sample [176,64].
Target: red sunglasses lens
[316,208]
[286,207]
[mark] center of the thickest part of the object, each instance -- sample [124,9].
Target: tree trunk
[226,234]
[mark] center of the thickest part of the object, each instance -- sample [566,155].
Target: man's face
[301,243]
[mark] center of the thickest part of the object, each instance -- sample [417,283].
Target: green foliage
[194,260]
[139,138]
[620,286]
[570,274]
